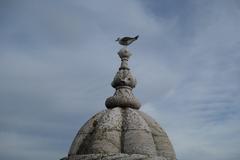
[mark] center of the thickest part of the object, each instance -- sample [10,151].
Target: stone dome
[121,133]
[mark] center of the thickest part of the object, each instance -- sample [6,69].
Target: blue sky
[58,58]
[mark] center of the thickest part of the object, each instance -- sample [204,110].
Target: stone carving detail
[123,82]
[117,156]
[124,78]
[120,133]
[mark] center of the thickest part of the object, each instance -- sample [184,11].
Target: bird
[125,41]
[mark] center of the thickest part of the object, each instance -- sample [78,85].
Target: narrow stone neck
[124,64]
[123,82]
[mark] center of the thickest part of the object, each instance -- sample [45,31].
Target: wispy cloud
[57,60]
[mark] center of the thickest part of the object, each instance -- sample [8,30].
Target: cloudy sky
[58,58]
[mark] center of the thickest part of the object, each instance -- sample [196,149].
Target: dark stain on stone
[95,123]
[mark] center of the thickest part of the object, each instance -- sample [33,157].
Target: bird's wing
[126,38]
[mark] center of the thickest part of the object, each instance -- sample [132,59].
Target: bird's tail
[136,37]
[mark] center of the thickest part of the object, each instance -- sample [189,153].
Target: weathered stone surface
[139,142]
[133,120]
[118,156]
[123,97]
[121,132]
[106,135]
[137,137]
[82,134]
[123,82]
[161,140]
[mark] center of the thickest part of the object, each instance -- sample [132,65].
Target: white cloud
[57,61]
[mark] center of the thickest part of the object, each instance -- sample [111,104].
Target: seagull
[125,41]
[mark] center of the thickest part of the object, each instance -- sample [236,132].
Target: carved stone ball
[124,78]
[120,133]
[124,53]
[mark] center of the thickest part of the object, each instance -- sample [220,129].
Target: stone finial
[123,82]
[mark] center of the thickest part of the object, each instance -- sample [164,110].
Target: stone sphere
[124,53]
[121,133]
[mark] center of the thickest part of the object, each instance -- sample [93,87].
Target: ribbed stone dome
[121,133]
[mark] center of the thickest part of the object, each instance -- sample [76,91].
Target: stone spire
[123,82]
[121,131]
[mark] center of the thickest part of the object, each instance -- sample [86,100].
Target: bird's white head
[118,39]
